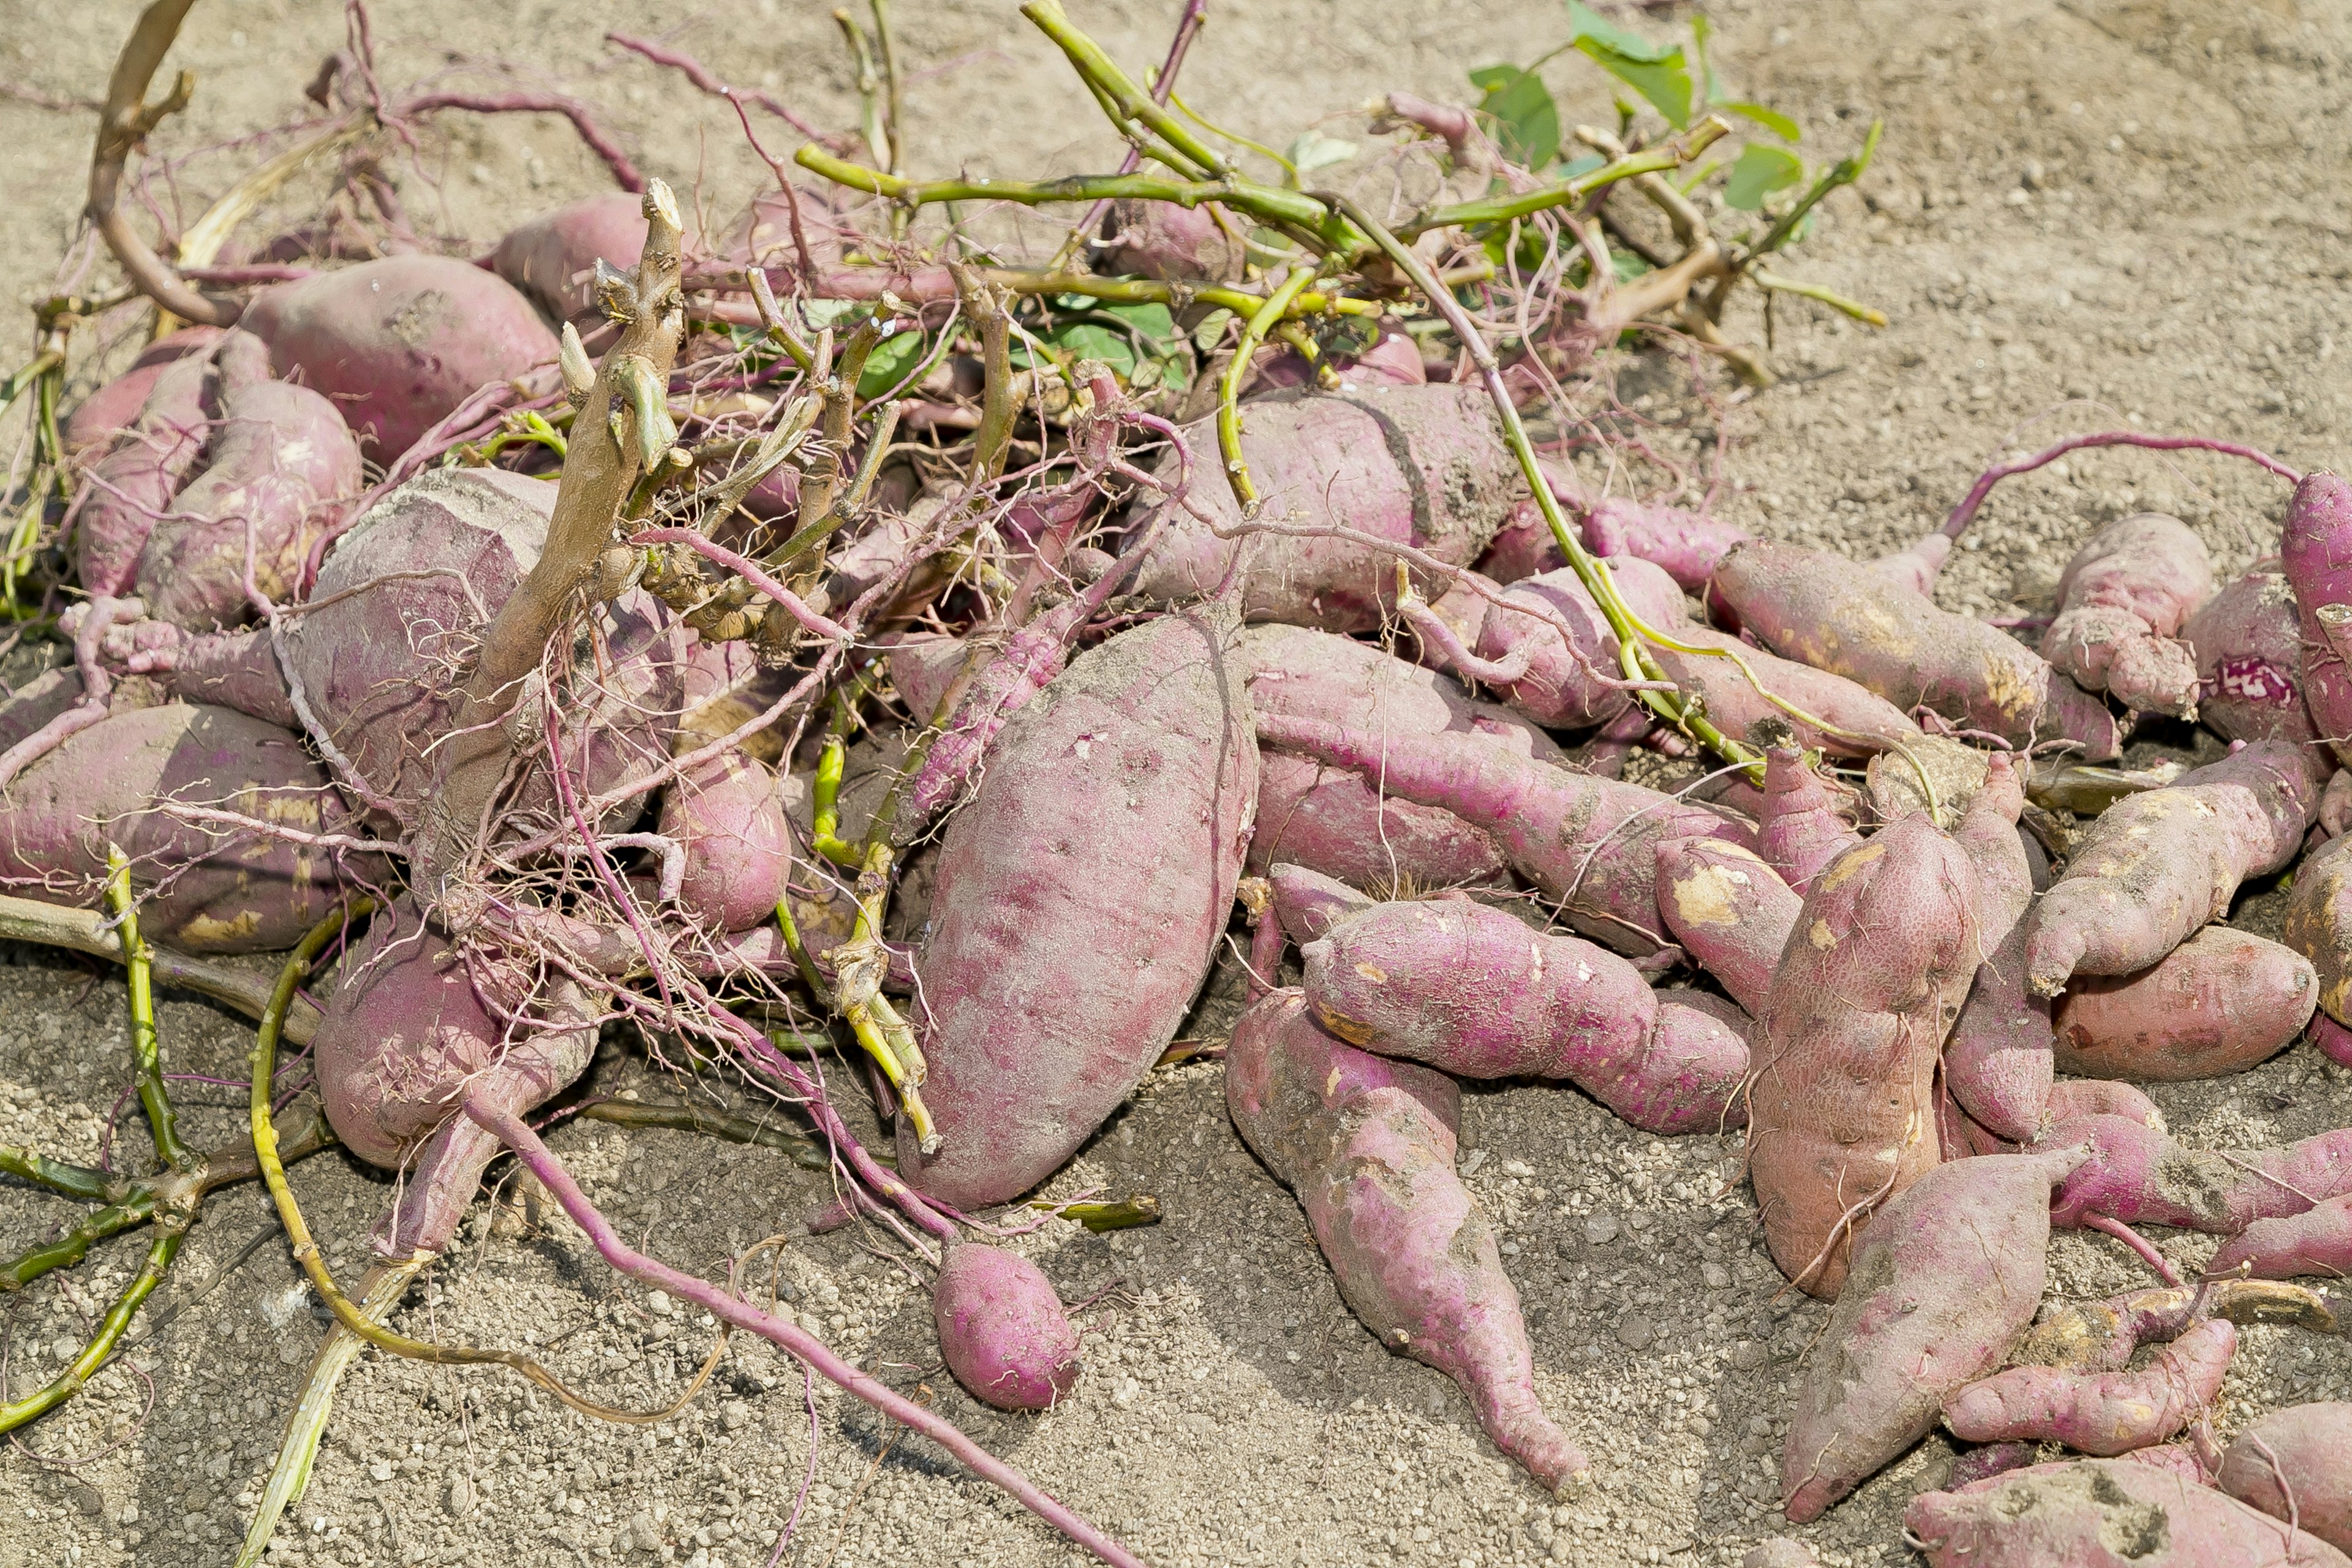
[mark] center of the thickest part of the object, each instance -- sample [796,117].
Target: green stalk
[144,1053]
[171,1229]
[1229,414]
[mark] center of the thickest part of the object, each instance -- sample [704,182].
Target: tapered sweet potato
[1081,896]
[2316,1241]
[1589,842]
[2219,1003]
[728,819]
[1729,911]
[134,479]
[2101,1412]
[1418,465]
[2315,554]
[114,407]
[1826,611]
[2248,643]
[2318,923]
[1367,1145]
[414,1026]
[2139,1174]
[1799,830]
[277,470]
[1336,821]
[2103,1513]
[1998,1063]
[2074,1097]
[1001,1329]
[2296,1464]
[1309,903]
[1687,544]
[216,888]
[1302,674]
[1476,992]
[2122,602]
[1943,1278]
[399,343]
[1840,1106]
[2157,866]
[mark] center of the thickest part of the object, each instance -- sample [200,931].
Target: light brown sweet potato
[2103,1513]
[2219,1003]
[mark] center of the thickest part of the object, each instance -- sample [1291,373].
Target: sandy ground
[2127,203]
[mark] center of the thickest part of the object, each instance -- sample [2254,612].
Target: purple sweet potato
[1368,1146]
[2121,605]
[2318,923]
[2296,1464]
[218,889]
[399,343]
[2316,1241]
[552,259]
[2101,1412]
[1686,544]
[728,819]
[1943,1278]
[2219,1003]
[2248,642]
[1391,359]
[1590,842]
[114,407]
[1416,465]
[1823,610]
[1160,239]
[276,472]
[1080,896]
[2136,1174]
[134,480]
[1309,903]
[1476,992]
[1798,831]
[2074,1097]
[1302,674]
[1729,910]
[1998,1062]
[2158,865]
[1336,821]
[2315,554]
[414,1026]
[1001,1329]
[2103,1513]
[1842,1101]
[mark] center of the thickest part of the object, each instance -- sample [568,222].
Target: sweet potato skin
[2308,1446]
[728,818]
[2103,1413]
[1419,464]
[115,406]
[2137,1174]
[2121,601]
[1729,910]
[1841,1105]
[2219,1002]
[1472,991]
[134,479]
[400,342]
[2314,548]
[1001,1329]
[2317,1241]
[1079,899]
[2158,865]
[2318,923]
[1300,673]
[2103,1513]
[551,259]
[1368,1146]
[2248,642]
[1686,544]
[1998,1063]
[1336,821]
[1921,1317]
[1798,831]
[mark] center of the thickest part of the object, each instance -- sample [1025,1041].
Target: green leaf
[822,313]
[1627,266]
[1657,72]
[1527,121]
[1772,120]
[1761,170]
[1315,150]
[1702,34]
[887,365]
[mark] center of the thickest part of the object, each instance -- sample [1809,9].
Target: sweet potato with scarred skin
[2122,602]
[1799,830]
[2296,1464]
[1368,1146]
[1998,1063]
[2158,865]
[1081,896]
[2103,1513]
[1588,842]
[400,342]
[2318,923]
[1944,1279]
[1729,910]
[219,890]
[2219,1002]
[1823,610]
[1001,1329]
[2101,1412]
[2248,643]
[1309,903]
[2139,1174]
[1425,465]
[1841,1104]
[1337,820]
[1474,991]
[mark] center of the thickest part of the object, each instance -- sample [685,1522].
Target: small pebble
[1601,1229]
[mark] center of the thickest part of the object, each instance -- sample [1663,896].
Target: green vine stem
[145,1055]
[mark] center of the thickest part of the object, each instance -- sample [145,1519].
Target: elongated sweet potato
[2296,1464]
[1943,1278]
[1476,992]
[399,343]
[1079,897]
[2219,1003]
[114,407]
[1588,842]
[2318,1241]
[1840,1106]
[1001,1329]
[1309,903]
[2318,923]
[2103,1513]
[1729,910]
[1826,611]
[412,1027]
[1367,1145]
[2156,866]
[1798,831]
[2315,554]
[1336,821]
[1418,465]
[2122,602]
[134,479]
[2101,1412]
[1687,543]
[2074,1097]
[218,888]
[1304,674]
[2248,642]
[1998,1063]
[2139,1174]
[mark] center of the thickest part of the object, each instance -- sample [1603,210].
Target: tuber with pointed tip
[1729,910]
[1002,1327]
[2100,1413]
[1799,830]
[2219,1002]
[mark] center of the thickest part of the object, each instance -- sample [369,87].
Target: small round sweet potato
[1001,1329]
